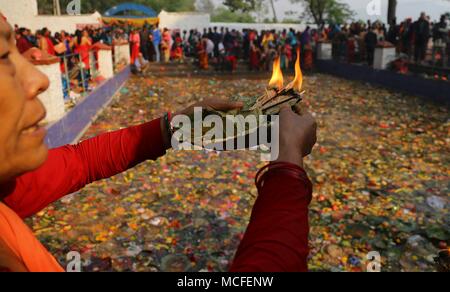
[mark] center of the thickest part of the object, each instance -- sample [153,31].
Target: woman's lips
[35,131]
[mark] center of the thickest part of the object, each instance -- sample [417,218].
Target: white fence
[260,26]
[60,80]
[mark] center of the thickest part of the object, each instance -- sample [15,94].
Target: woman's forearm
[70,168]
[277,237]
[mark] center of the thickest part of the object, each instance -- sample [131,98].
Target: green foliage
[323,11]
[206,6]
[225,15]
[241,5]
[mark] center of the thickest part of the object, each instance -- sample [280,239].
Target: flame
[298,81]
[277,80]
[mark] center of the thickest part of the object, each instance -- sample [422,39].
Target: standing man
[422,35]
[440,40]
[145,38]
[156,43]
[216,38]
[371,41]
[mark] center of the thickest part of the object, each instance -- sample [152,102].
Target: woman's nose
[34,81]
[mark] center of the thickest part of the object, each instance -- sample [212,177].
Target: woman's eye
[5,56]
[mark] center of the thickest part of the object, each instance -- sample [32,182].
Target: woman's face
[22,147]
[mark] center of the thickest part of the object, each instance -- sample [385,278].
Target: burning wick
[277,94]
[277,80]
[297,84]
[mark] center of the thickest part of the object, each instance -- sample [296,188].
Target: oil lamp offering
[277,94]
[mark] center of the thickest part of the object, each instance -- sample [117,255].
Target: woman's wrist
[166,130]
[291,155]
[286,169]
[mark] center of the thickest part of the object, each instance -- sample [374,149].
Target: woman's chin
[26,163]
[41,156]
[35,159]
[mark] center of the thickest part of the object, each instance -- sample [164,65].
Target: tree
[261,11]
[253,6]
[223,14]
[206,6]
[56,7]
[392,12]
[322,11]
[275,18]
[241,5]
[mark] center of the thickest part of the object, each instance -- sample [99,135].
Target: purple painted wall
[431,90]
[66,130]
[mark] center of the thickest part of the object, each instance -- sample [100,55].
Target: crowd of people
[258,50]
[77,51]
[222,48]
[421,41]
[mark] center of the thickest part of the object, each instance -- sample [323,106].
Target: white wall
[67,23]
[105,63]
[259,26]
[18,11]
[52,98]
[25,13]
[184,20]
[122,55]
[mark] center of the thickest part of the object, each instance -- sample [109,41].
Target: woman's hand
[212,104]
[298,135]
[208,104]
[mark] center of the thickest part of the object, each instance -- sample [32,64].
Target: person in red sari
[254,57]
[308,60]
[82,45]
[32,177]
[47,42]
[202,55]
[351,50]
[23,44]
[135,42]
[177,51]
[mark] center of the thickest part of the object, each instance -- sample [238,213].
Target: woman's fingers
[224,105]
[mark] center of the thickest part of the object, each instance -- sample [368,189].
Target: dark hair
[79,36]
[22,30]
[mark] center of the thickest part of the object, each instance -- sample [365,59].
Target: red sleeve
[277,236]
[70,168]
